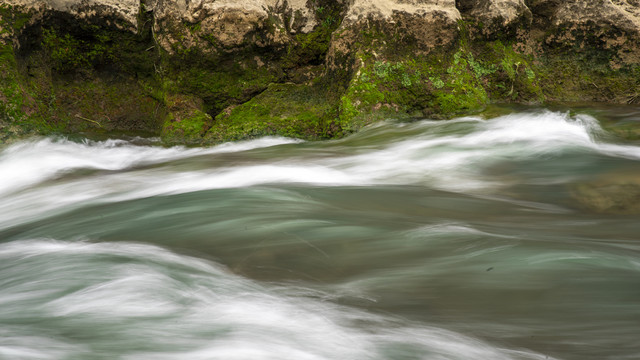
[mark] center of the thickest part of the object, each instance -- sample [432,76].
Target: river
[459,239]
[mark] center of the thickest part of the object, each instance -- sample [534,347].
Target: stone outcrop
[496,16]
[213,70]
[621,14]
[225,25]
[613,26]
[423,25]
[120,13]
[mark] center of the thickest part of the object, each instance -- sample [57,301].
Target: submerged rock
[613,194]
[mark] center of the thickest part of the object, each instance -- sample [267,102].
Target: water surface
[509,238]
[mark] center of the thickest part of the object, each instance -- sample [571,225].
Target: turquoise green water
[461,239]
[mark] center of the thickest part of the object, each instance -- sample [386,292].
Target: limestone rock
[606,24]
[496,16]
[544,9]
[386,9]
[418,26]
[126,11]
[211,25]
[621,14]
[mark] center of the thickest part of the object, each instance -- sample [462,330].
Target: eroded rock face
[360,10]
[496,16]
[622,14]
[610,25]
[213,25]
[543,8]
[416,26]
[126,11]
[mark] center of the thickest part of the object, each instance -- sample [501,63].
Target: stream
[515,237]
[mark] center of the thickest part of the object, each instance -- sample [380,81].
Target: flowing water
[461,239]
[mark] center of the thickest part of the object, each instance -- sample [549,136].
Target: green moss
[99,104]
[88,47]
[570,77]
[12,18]
[185,123]
[65,51]
[19,107]
[78,78]
[288,110]
[220,82]
[11,94]
[312,47]
[463,91]
[188,130]
[434,85]
[309,48]
[508,76]
[90,77]
[377,87]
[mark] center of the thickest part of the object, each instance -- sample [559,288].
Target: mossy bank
[212,71]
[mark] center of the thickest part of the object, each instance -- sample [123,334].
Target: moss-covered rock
[186,123]
[67,71]
[282,109]
[12,112]
[441,85]
[220,83]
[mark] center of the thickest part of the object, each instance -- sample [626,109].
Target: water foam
[28,163]
[425,153]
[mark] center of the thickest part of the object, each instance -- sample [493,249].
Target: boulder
[423,25]
[392,29]
[611,25]
[228,25]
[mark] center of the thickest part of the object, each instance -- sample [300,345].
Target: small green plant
[530,74]
[68,53]
[478,68]
[437,82]
[65,51]
[406,80]
[381,69]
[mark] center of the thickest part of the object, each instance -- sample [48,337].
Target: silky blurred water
[459,239]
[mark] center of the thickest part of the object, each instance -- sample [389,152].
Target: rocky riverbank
[203,71]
